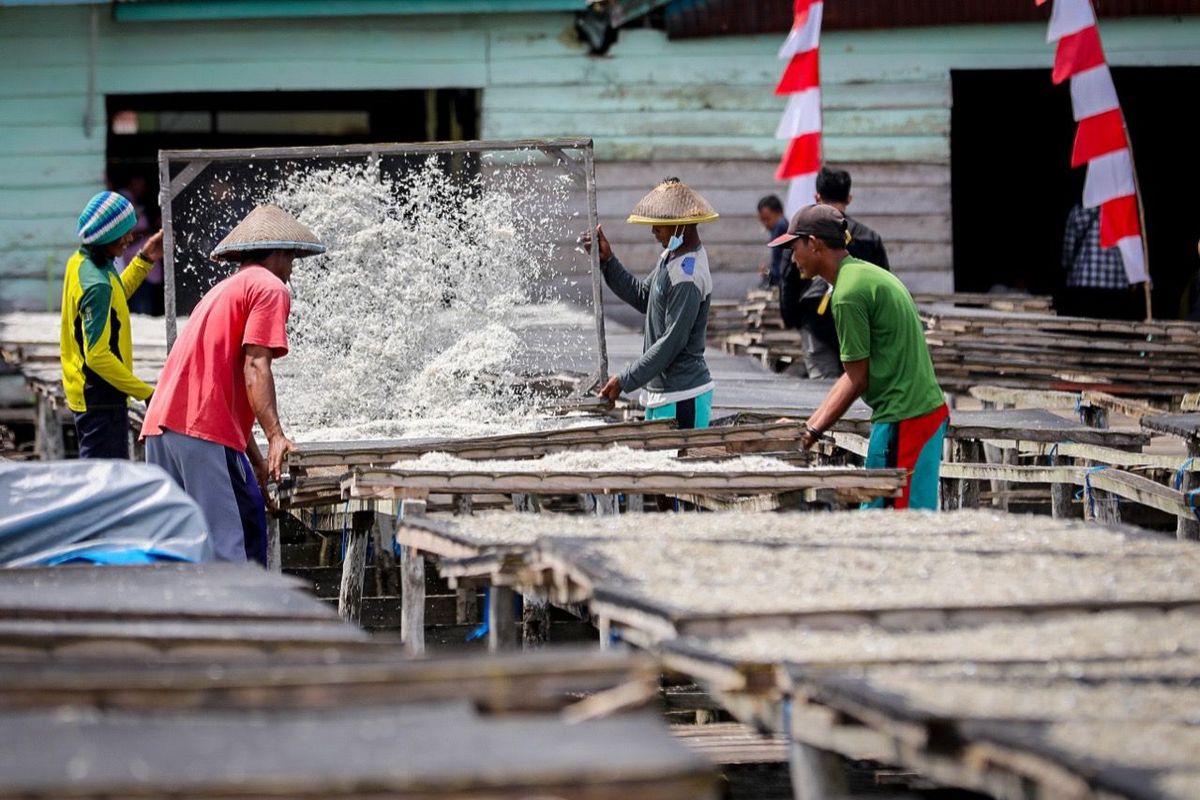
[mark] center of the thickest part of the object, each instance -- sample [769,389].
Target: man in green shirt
[884,352]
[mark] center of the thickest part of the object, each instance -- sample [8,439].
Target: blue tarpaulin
[102,511]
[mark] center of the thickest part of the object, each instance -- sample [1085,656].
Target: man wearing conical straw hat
[675,299]
[217,381]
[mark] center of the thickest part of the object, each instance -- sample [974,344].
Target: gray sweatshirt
[675,299]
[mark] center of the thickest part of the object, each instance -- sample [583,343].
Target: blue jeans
[103,433]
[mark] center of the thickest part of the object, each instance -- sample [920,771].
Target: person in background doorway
[1095,284]
[218,380]
[770,214]
[884,351]
[675,299]
[148,299]
[95,340]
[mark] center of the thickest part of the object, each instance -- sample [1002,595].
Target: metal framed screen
[473,230]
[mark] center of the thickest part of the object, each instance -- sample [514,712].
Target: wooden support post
[1189,527]
[1060,493]
[527,502]
[354,566]
[274,549]
[816,774]
[466,604]
[604,626]
[48,435]
[1094,416]
[535,619]
[387,577]
[606,505]
[502,622]
[412,587]
[463,505]
[635,503]
[969,451]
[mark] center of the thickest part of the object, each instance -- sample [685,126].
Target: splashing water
[436,291]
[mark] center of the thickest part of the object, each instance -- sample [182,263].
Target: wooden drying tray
[577,570]
[168,592]
[1036,425]
[996,302]
[1127,485]
[1185,426]
[403,751]
[847,485]
[1049,755]
[653,435]
[362,677]
[942,317]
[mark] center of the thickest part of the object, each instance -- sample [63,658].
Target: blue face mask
[674,243]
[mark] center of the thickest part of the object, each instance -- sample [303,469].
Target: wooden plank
[360,677]
[1185,426]
[410,750]
[27,638]
[374,483]
[671,592]
[502,624]
[412,584]
[354,566]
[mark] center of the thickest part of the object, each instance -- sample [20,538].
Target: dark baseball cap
[822,221]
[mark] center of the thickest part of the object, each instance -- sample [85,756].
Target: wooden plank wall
[702,109]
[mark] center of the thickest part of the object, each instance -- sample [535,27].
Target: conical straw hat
[268,227]
[672,203]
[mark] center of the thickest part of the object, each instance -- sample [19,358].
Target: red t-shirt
[202,389]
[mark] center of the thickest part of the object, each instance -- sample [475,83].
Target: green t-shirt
[876,319]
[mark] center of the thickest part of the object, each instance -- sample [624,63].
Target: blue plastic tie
[1193,500]
[482,629]
[1179,473]
[1087,488]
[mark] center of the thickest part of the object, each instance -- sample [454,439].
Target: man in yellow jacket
[96,341]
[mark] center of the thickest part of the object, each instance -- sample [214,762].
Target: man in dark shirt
[802,301]
[833,189]
[770,214]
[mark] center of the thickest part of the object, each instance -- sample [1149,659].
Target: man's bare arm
[260,387]
[845,391]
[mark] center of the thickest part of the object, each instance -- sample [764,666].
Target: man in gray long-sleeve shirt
[675,299]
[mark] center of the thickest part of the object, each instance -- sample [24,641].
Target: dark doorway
[141,125]
[1010,146]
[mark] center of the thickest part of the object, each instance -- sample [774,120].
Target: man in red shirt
[217,381]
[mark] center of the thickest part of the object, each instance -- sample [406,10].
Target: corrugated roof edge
[190,10]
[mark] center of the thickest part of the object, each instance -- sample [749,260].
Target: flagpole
[1137,193]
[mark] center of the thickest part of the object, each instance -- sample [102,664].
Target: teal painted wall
[703,107]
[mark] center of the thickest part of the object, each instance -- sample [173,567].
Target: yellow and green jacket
[96,342]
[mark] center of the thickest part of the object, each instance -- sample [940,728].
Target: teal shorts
[691,413]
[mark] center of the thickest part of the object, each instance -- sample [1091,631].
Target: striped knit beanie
[107,217]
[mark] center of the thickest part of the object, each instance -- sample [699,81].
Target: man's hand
[152,248]
[601,242]
[808,438]
[278,446]
[611,390]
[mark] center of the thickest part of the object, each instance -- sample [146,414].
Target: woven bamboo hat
[672,202]
[268,227]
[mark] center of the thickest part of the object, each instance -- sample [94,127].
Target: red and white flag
[1101,141]
[801,123]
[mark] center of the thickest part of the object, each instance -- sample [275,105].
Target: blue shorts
[691,413]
